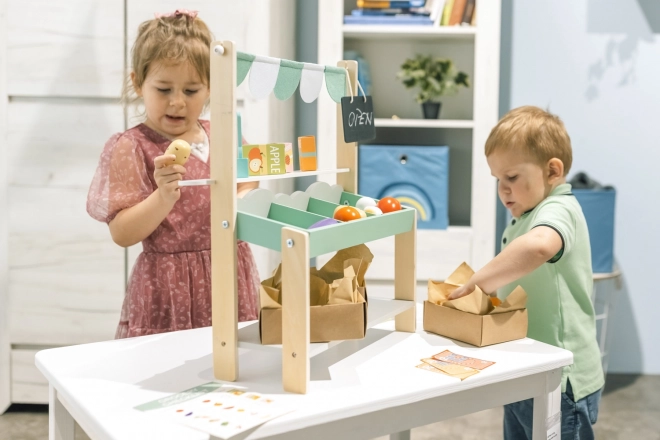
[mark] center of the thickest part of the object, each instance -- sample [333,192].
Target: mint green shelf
[266,232]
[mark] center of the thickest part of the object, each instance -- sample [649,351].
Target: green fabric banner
[244,62]
[335,82]
[287,79]
[289,75]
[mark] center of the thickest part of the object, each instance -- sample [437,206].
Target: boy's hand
[167,177]
[464,290]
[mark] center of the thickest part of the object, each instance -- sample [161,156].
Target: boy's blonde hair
[173,39]
[533,131]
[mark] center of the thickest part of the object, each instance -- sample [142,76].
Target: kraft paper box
[338,299]
[474,318]
[307,153]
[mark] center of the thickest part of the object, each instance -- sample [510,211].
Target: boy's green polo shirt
[559,292]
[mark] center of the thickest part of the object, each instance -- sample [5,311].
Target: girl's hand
[167,178]
[464,290]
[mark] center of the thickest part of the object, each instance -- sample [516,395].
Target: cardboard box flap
[516,300]
[270,289]
[477,302]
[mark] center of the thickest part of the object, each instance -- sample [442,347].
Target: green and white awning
[282,77]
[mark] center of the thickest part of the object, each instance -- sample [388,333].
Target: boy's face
[174,97]
[521,183]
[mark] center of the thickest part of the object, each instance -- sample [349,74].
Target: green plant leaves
[434,77]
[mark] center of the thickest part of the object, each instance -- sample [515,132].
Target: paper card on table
[451,369]
[453,358]
[218,409]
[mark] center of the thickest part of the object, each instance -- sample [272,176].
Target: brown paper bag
[477,302]
[339,281]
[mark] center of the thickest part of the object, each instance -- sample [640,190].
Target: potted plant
[435,77]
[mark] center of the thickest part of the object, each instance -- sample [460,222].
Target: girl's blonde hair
[532,131]
[172,39]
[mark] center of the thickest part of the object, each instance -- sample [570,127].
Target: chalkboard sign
[358,118]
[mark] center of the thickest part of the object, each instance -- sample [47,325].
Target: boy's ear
[555,169]
[138,90]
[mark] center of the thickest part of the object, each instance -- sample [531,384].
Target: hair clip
[177,13]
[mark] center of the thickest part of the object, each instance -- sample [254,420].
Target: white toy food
[363,202]
[374,210]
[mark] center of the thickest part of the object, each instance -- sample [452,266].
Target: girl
[137,193]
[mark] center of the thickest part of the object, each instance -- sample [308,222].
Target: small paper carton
[474,318]
[307,153]
[256,157]
[288,157]
[275,160]
[338,299]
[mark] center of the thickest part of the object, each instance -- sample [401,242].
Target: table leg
[547,409]
[60,422]
[403,435]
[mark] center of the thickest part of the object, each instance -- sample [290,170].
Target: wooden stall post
[347,154]
[295,310]
[223,211]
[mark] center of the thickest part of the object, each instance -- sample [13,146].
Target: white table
[358,390]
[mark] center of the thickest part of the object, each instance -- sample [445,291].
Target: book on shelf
[413,12]
[418,20]
[458,12]
[380,4]
[390,12]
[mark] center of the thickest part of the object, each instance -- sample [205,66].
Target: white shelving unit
[466,121]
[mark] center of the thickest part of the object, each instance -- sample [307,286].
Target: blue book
[389,12]
[419,20]
[395,3]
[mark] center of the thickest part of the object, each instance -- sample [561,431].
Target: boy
[545,249]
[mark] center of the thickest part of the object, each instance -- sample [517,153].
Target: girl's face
[521,183]
[174,97]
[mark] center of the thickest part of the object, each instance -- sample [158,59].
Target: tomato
[389,204]
[346,214]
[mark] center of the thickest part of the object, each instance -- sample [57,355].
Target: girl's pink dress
[170,286]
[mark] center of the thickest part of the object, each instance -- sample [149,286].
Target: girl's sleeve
[121,179]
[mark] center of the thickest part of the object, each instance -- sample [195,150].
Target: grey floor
[630,409]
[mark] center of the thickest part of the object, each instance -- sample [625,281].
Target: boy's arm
[522,256]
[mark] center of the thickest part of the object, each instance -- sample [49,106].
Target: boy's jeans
[576,417]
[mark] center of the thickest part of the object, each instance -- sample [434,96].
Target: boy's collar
[561,190]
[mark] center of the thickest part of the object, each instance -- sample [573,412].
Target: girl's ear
[555,170]
[138,90]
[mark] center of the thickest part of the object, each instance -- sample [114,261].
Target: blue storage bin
[417,176]
[598,208]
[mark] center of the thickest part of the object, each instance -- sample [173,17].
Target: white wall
[597,65]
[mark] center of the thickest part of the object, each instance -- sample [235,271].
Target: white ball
[373,210]
[364,202]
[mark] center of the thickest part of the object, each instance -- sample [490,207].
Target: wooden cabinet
[62,66]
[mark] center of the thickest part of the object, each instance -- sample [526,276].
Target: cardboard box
[474,318]
[336,322]
[338,299]
[307,153]
[479,330]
